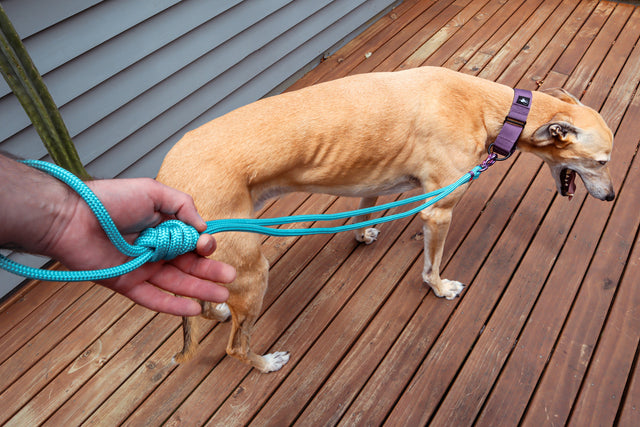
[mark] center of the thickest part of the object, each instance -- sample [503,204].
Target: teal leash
[173,238]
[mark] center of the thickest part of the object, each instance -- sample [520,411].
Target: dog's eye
[602,162]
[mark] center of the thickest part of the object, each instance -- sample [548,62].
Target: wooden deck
[546,332]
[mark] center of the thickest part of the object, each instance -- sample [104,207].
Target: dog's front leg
[245,303]
[239,345]
[370,234]
[436,226]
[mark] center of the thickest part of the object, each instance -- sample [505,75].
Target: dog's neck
[499,104]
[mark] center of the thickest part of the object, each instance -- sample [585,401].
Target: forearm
[33,206]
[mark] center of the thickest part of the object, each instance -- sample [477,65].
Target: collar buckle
[514,121]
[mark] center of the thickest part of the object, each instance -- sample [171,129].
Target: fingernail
[205,244]
[230,273]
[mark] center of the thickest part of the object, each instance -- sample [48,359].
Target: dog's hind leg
[210,310]
[370,234]
[436,226]
[190,342]
[215,311]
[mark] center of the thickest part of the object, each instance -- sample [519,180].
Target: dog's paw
[369,236]
[275,361]
[180,358]
[448,289]
[221,312]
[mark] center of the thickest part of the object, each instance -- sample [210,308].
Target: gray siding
[131,77]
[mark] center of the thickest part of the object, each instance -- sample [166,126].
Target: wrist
[35,208]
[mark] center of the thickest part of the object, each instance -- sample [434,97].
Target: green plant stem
[27,84]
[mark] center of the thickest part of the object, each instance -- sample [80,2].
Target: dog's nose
[610,196]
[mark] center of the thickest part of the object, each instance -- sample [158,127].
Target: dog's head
[575,141]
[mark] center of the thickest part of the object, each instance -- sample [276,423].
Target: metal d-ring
[497,158]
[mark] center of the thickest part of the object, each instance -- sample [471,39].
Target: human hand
[134,205]
[42,215]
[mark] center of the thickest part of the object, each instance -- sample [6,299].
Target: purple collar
[514,123]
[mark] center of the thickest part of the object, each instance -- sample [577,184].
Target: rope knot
[168,240]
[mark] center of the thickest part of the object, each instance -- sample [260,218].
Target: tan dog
[365,136]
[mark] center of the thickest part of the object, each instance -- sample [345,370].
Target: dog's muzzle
[567,183]
[568,187]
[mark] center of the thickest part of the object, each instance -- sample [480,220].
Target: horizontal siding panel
[32,16]
[60,44]
[259,86]
[99,65]
[255,48]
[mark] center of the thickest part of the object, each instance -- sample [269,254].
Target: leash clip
[488,162]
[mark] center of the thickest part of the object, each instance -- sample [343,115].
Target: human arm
[39,214]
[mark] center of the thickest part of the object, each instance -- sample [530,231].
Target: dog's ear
[563,95]
[559,133]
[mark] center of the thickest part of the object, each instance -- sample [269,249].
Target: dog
[364,136]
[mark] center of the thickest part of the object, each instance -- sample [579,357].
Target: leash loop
[166,241]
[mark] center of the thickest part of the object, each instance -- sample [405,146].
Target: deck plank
[36,314]
[101,351]
[546,332]
[388,56]
[565,375]
[630,412]
[456,51]
[538,249]
[501,37]
[405,410]
[563,39]
[539,49]
[23,302]
[569,362]
[583,38]
[33,379]
[444,34]
[345,306]
[133,356]
[49,337]
[289,411]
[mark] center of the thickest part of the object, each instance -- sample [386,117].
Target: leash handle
[166,241]
[173,238]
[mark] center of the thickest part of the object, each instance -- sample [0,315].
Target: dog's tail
[190,342]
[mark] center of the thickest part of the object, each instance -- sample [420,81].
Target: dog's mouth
[567,183]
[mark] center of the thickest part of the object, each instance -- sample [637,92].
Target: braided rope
[174,238]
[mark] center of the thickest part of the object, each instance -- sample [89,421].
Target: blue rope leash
[173,238]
